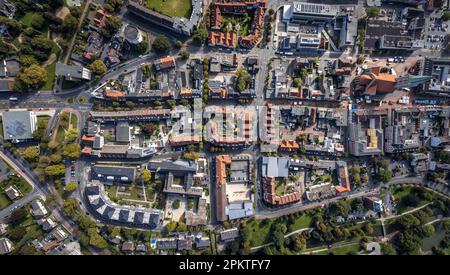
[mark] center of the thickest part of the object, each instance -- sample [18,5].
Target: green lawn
[401,192]
[244,23]
[179,8]
[260,229]
[28,18]
[74,121]
[50,69]
[4,201]
[60,135]
[343,250]
[44,120]
[303,222]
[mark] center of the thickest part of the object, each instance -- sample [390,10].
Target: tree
[27,60]
[98,67]
[178,44]
[446,16]
[17,216]
[96,240]
[407,222]
[191,155]
[297,82]
[17,233]
[33,76]
[368,229]
[408,242]
[71,135]
[72,151]
[373,12]
[384,175]
[70,23]
[171,103]
[130,104]
[53,144]
[112,25]
[181,227]
[176,204]
[142,47]
[28,250]
[55,170]
[427,230]
[161,45]
[71,207]
[387,249]
[410,200]
[171,226]
[357,205]
[146,176]
[278,234]
[299,243]
[184,55]
[30,153]
[71,186]
[55,158]
[243,79]
[200,36]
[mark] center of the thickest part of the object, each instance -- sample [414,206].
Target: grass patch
[82,99]
[400,192]
[303,222]
[343,250]
[244,24]
[44,120]
[74,121]
[179,8]
[50,69]
[60,135]
[4,201]
[260,231]
[28,18]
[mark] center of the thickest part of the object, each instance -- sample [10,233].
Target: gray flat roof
[17,125]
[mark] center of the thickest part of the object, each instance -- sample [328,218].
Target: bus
[13,98]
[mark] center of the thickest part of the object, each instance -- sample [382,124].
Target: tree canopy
[161,45]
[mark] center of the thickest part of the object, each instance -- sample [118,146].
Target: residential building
[3,229]
[12,192]
[374,203]
[38,210]
[128,247]
[229,235]
[164,63]
[178,177]
[135,216]
[6,246]
[110,174]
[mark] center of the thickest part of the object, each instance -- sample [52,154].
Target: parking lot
[436,31]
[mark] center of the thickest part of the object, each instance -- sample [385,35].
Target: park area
[408,198]
[176,8]
[67,128]
[260,230]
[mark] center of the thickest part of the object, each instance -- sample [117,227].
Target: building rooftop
[18,125]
